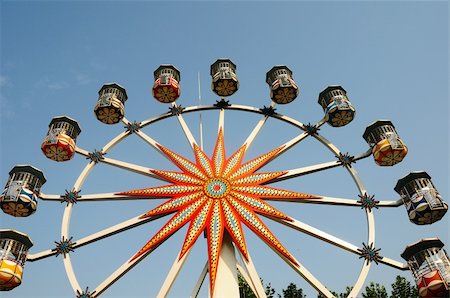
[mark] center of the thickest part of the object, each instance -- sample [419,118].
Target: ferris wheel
[223,196]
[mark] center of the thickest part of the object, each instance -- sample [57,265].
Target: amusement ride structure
[216,195]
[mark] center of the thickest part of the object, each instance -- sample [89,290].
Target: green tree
[244,289]
[402,288]
[293,292]
[246,292]
[375,291]
[270,292]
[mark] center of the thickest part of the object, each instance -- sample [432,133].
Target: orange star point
[217,195]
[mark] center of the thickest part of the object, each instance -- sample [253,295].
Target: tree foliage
[293,292]
[375,291]
[246,292]
[340,295]
[402,288]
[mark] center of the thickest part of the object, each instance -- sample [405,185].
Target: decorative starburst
[70,197]
[176,110]
[216,196]
[96,156]
[85,294]
[368,201]
[133,127]
[346,159]
[222,104]
[268,111]
[64,246]
[370,253]
[311,129]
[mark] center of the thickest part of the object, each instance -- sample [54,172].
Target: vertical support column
[226,280]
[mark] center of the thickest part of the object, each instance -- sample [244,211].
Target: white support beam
[186,130]
[313,168]
[116,275]
[255,280]
[201,280]
[316,233]
[226,280]
[172,275]
[247,279]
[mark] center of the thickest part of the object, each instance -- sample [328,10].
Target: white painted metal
[226,280]
[303,272]
[40,255]
[116,275]
[222,120]
[71,274]
[316,233]
[124,165]
[257,129]
[185,128]
[247,279]
[172,275]
[314,168]
[201,280]
[118,228]
[254,281]
[394,264]
[150,141]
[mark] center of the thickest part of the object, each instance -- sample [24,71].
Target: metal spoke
[303,272]
[185,128]
[257,129]
[122,165]
[121,271]
[316,233]
[247,279]
[172,275]
[253,280]
[105,233]
[315,168]
[200,281]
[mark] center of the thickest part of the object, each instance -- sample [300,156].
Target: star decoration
[216,196]
[222,104]
[346,159]
[370,253]
[96,156]
[268,111]
[368,202]
[64,246]
[85,294]
[133,127]
[311,129]
[176,110]
[70,197]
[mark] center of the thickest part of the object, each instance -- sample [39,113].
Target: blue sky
[391,57]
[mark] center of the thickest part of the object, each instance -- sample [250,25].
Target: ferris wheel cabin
[388,148]
[224,78]
[110,106]
[430,266]
[423,202]
[336,105]
[59,144]
[166,88]
[283,88]
[14,247]
[19,197]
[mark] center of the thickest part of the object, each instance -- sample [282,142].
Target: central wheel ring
[216,188]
